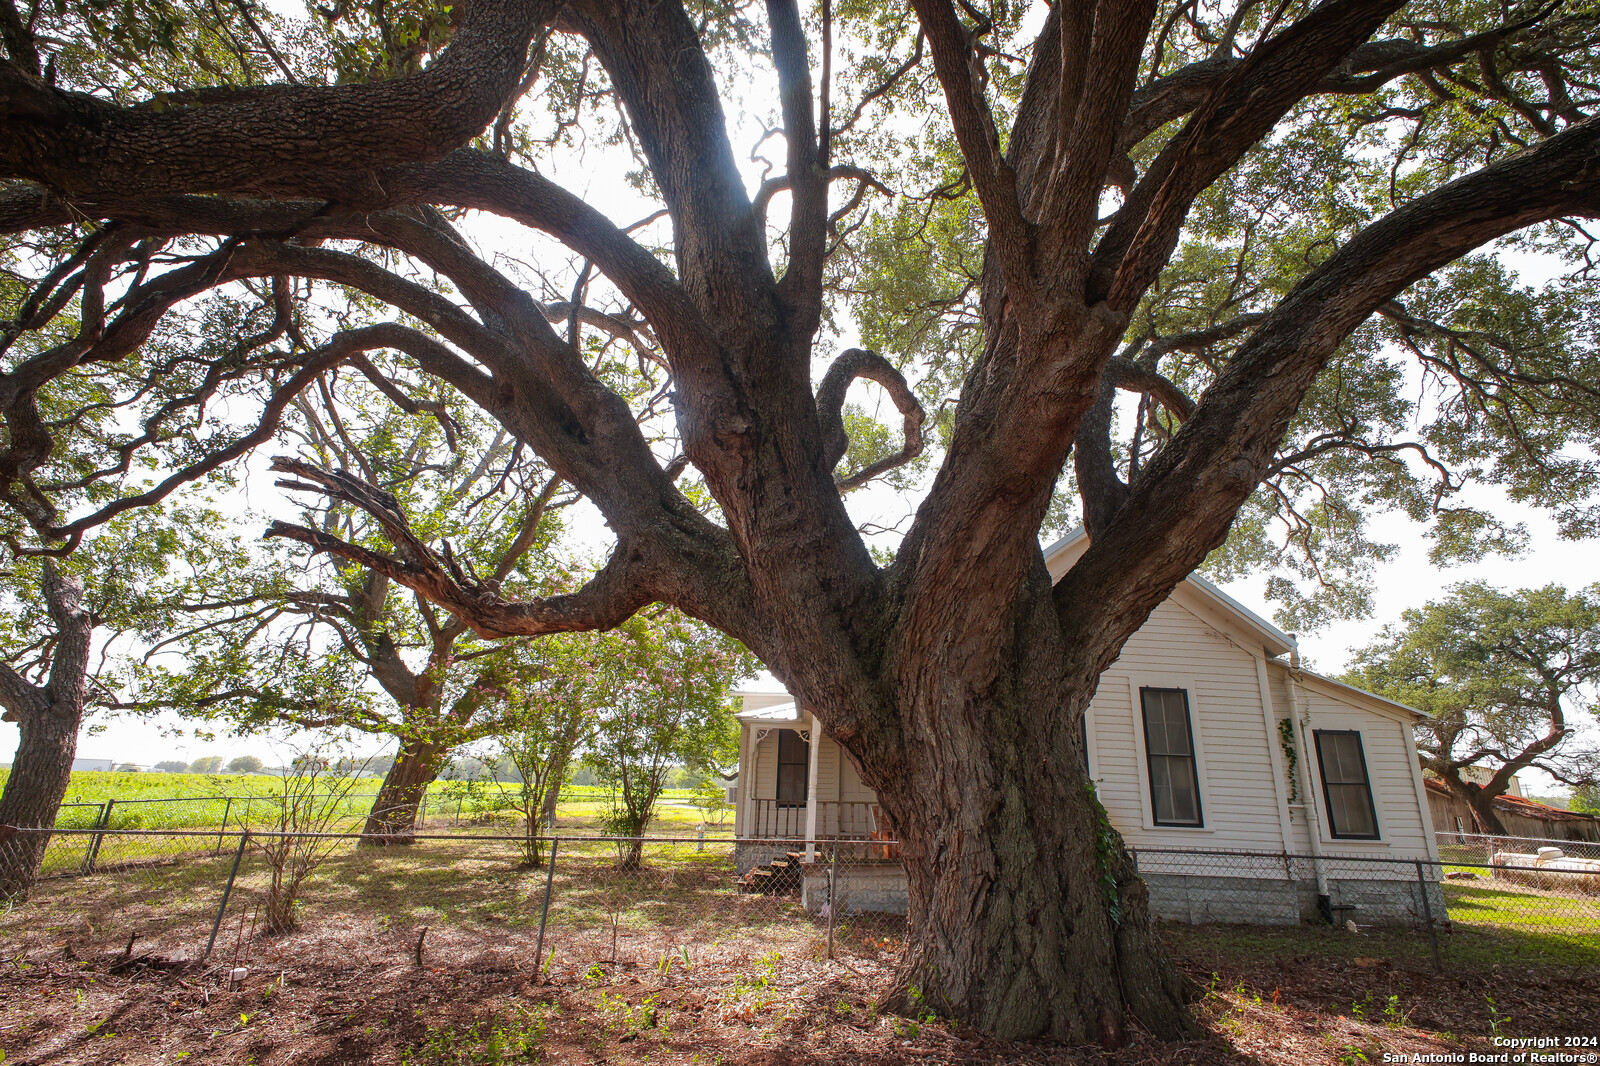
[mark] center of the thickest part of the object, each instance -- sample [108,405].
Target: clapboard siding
[1295,791]
[1176,649]
[1384,742]
[1213,650]
[827,767]
[766,763]
[851,787]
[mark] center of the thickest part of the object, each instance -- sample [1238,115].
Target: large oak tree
[954,674]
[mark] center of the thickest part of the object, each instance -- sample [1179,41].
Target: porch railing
[836,820]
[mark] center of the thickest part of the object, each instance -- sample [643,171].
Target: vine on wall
[1291,755]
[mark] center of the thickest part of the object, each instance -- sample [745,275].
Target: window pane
[1169,750]
[794,757]
[1345,784]
[791,784]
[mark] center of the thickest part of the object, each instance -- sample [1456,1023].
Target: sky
[1408,580]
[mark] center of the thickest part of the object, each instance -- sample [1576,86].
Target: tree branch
[1238,113]
[1189,493]
[607,600]
[856,363]
[246,138]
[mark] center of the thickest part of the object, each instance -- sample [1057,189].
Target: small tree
[1502,677]
[245,764]
[206,764]
[663,683]
[541,750]
[306,806]
[171,766]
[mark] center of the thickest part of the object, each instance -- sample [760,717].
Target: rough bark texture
[394,813]
[47,718]
[1027,916]
[956,677]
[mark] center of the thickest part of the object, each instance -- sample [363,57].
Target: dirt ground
[1292,1002]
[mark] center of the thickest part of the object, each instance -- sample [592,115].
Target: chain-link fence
[444,900]
[267,898]
[1517,906]
[449,805]
[1489,850]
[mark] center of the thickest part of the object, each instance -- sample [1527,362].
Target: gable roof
[780,712]
[1060,556]
[1341,691]
[1206,599]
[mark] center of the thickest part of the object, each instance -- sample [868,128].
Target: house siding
[1252,798]
[1238,800]
[1402,830]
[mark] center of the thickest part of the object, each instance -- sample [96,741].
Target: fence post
[99,820]
[701,846]
[221,832]
[94,844]
[222,908]
[1427,915]
[544,915]
[833,880]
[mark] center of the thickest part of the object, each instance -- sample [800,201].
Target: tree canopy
[1231,271]
[1508,681]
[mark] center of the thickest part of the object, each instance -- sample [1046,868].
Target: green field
[199,801]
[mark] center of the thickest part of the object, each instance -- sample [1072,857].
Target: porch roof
[783,712]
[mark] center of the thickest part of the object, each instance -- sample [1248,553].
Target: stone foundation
[1190,898]
[857,888]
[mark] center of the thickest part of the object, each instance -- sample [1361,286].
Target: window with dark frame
[1346,788]
[794,761]
[1169,755]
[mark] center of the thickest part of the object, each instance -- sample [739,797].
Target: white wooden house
[1203,736]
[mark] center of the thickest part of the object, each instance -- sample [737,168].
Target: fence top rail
[1450,836]
[1217,853]
[518,838]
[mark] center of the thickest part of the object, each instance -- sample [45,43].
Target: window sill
[1151,827]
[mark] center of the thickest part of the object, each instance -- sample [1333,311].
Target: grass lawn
[200,801]
[428,956]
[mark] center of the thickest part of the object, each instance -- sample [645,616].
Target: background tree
[660,699]
[262,646]
[206,764]
[1146,145]
[57,618]
[245,764]
[172,766]
[1507,679]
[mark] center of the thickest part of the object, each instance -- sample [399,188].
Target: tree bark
[394,812]
[1482,803]
[1028,918]
[48,719]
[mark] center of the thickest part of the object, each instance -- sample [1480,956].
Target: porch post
[741,809]
[813,748]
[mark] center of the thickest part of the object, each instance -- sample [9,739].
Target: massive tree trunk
[956,678]
[394,812]
[1027,918]
[48,719]
[1482,803]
